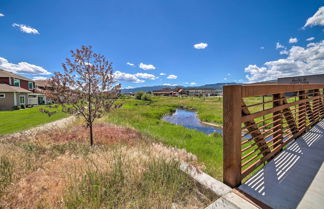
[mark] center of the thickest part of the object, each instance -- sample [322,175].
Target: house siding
[8,102]
[23,94]
[5,80]
[24,84]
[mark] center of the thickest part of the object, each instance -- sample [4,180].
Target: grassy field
[19,120]
[58,169]
[146,117]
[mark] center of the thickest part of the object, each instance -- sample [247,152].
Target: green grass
[146,117]
[19,120]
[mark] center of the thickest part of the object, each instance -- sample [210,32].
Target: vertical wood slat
[309,110]
[301,109]
[232,135]
[319,103]
[255,132]
[307,113]
[277,98]
[291,120]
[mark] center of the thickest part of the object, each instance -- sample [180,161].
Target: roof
[7,88]
[42,83]
[4,73]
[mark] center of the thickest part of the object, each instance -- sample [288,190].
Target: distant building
[306,79]
[168,92]
[192,92]
[203,92]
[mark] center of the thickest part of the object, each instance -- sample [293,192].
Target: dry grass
[58,169]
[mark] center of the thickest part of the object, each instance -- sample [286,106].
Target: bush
[146,97]
[139,95]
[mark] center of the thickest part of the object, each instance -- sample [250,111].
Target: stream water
[190,120]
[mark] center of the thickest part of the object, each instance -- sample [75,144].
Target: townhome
[17,92]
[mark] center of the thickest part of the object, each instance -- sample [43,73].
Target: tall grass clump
[6,173]
[159,186]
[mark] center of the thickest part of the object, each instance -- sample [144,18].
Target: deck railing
[260,120]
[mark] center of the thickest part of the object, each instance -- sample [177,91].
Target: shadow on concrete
[283,182]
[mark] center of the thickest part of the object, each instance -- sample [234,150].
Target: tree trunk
[91,134]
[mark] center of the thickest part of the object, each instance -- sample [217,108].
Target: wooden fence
[260,120]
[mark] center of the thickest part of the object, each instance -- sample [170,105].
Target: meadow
[58,169]
[145,116]
[19,120]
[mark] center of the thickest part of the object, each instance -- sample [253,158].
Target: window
[21,99]
[30,85]
[2,96]
[17,82]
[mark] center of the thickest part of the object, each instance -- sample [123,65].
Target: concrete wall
[309,79]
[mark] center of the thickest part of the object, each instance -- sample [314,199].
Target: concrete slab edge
[227,197]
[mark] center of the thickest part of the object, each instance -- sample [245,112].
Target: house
[17,91]
[168,92]
[202,92]
[304,79]
[41,87]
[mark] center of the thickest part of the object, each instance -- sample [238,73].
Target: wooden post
[277,101]
[301,112]
[232,135]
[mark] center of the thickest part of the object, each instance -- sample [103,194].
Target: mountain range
[159,87]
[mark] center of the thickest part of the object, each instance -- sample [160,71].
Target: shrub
[146,97]
[139,95]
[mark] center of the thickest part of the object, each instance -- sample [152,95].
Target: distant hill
[154,88]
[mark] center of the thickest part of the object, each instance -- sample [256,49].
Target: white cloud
[310,39]
[169,84]
[191,83]
[284,52]
[22,68]
[146,76]
[262,47]
[120,76]
[130,64]
[316,19]
[300,61]
[162,74]
[311,44]
[279,46]
[25,28]
[128,87]
[40,78]
[2,15]
[146,66]
[293,40]
[225,79]
[200,46]
[172,77]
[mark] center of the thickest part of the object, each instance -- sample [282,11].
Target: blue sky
[236,41]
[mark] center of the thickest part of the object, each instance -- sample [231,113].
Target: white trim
[32,85]
[14,81]
[24,99]
[15,98]
[2,95]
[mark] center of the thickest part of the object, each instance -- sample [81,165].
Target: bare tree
[86,87]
